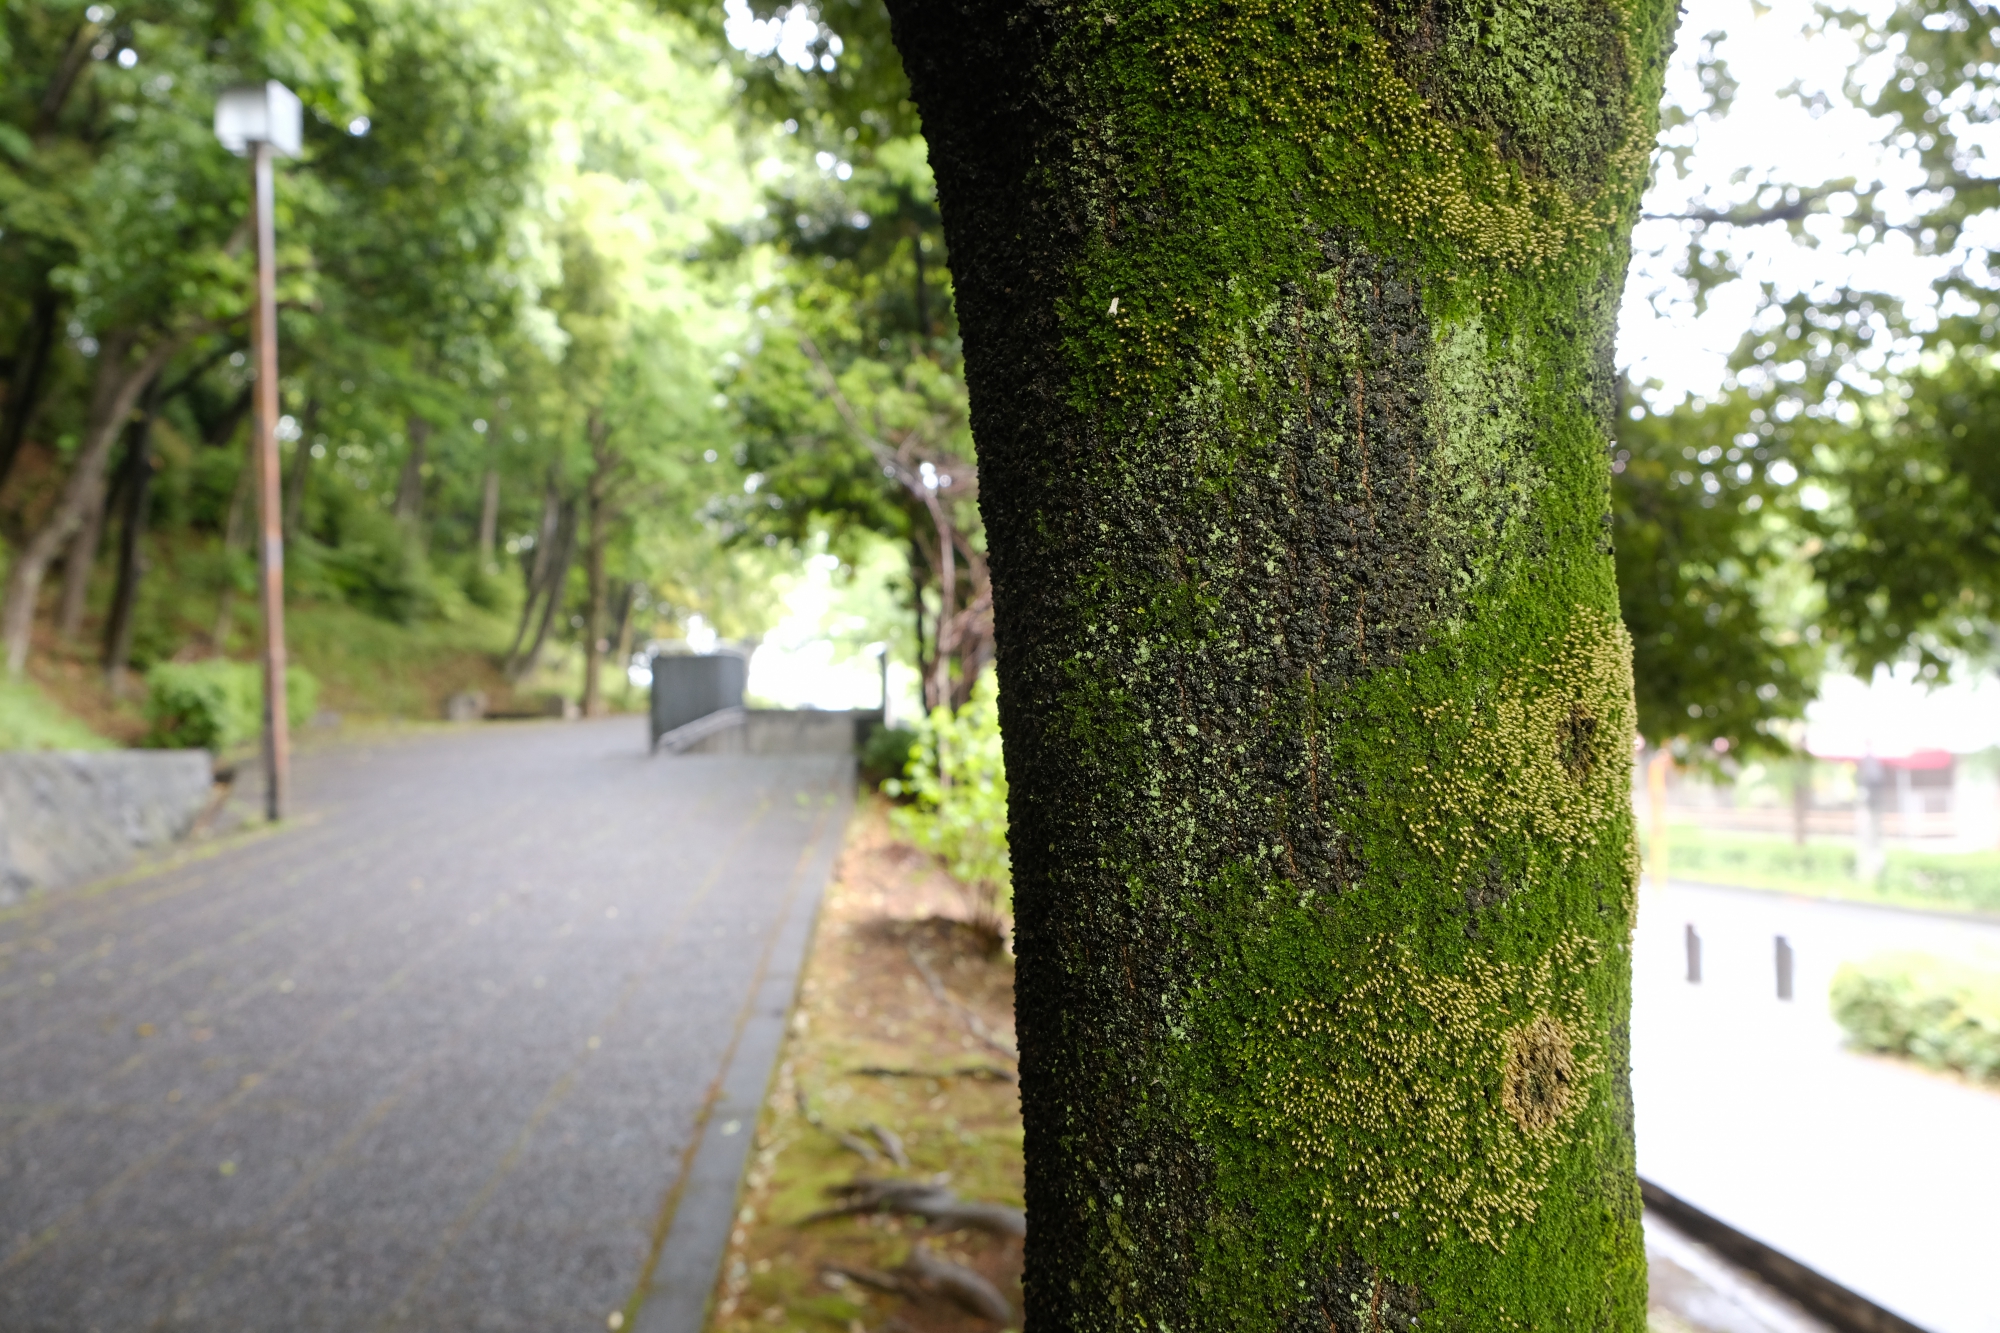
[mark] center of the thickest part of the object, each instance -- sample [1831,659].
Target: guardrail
[1826,1300]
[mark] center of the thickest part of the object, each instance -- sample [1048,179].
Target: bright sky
[1765,137]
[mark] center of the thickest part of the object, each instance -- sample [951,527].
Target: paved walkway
[1881,1176]
[457,1050]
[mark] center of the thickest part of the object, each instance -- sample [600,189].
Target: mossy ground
[864,1004]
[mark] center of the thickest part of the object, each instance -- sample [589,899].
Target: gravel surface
[434,1057]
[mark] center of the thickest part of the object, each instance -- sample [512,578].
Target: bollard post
[1694,955]
[1784,968]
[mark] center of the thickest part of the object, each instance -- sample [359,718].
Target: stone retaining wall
[70,817]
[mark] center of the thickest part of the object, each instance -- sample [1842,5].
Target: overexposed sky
[1765,137]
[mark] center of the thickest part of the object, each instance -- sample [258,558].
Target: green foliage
[30,720]
[887,754]
[956,781]
[1938,1012]
[375,563]
[1702,548]
[490,256]
[1910,559]
[218,705]
[1942,881]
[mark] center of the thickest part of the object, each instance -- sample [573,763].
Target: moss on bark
[1288,329]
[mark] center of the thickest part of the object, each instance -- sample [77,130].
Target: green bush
[957,784]
[1938,1012]
[885,755]
[1947,881]
[376,563]
[218,705]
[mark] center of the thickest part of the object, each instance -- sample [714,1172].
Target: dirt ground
[905,1022]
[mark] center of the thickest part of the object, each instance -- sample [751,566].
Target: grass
[1938,881]
[865,1004]
[31,720]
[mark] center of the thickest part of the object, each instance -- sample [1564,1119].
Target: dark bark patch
[1353,1296]
[1575,746]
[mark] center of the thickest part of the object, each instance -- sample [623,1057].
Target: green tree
[1288,332]
[1872,408]
[1707,529]
[852,404]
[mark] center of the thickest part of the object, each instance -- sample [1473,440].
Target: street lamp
[257,122]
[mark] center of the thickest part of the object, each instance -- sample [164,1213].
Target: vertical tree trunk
[1288,331]
[594,539]
[80,561]
[137,493]
[622,637]
[535,574]
[489,516]
[557,578]
[120,376]
[302,460]
[410,486]
[235,536]
[24,384]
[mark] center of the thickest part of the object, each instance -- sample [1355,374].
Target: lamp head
[267,112]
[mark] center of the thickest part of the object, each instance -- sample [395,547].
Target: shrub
[376,563]
[1937,1012]
[957,784]
[218,705]
[885,755]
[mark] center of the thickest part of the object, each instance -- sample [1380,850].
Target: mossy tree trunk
[1288,328]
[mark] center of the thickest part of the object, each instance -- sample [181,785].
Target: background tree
[1288,332]
[1850,423]
[852,403]
[457,159]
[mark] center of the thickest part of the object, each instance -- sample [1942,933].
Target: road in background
[1881,1176]
[431,1059]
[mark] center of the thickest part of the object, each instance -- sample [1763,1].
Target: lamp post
[258,122]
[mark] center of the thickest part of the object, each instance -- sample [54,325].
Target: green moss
[1288,329]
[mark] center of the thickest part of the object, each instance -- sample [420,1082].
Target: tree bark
[137,495]
[410,487]
[622,637]
[489,516]
[80,561]
[120,377]
[235,536]
[596,500]
[1288,332]
[535,566]
[552,594]
[302,459]
[24,383]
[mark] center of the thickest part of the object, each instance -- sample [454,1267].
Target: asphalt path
[1878,1174]
[467,1045]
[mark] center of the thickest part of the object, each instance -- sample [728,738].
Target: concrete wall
[781,731]
[66,818]
[689,687]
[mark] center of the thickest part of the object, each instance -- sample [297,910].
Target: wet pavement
[451,1051]
[1876,1173]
